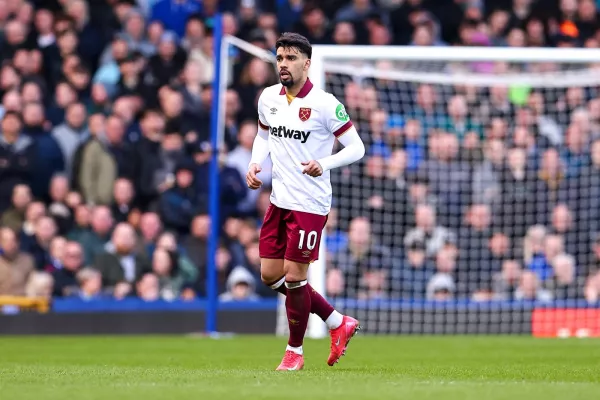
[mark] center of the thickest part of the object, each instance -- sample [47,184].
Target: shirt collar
[303,92]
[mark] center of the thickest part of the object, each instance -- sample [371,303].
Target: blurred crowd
[464,192]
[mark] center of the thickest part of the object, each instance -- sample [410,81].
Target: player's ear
[307,64]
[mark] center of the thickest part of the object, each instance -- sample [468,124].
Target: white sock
[297,350]
[334,320]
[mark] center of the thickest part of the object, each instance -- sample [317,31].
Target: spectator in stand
[94,239]
[121,152]
[43,24]
[70,134]
[48,159]
[564,225]
[39,285]
[457,122]
[65,278]
[81,223]
[91,41]
[90,285]
[15,266]
[576,152]
[506,282]
[564,283]
[97,170]
[58,207]
[119,265]
[57,254]
[449,178]
[179,204]
[434,236]
[167,267]
[488,174]
[500,249]
[147,288]
[174,15]
[164,67]
[123,200]
[239,158]
[518,201]
[150,228]
[134,33]
[414,144]
[365,264]
[592,288]
[550,185]
[240,286]
[473,238]
[530,289]
[441,287]
[184,267]
[313,25]
[336,239]
[65,95]
[34,212]
[17,157]
[14,216]
[410,282]
[541,263]
[39,248]
[195,244]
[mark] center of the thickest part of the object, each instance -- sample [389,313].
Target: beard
[288,81]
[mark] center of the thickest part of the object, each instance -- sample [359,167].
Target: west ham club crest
[304,113]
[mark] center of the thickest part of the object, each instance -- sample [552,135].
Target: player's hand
[251,179]
[312,168]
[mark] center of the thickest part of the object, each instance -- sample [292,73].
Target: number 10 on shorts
[311,239]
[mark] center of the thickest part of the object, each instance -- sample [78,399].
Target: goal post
[497,261]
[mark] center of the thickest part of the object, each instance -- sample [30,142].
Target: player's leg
[273,275]
[304,238]
[272,246]
[273,242]
[297,303]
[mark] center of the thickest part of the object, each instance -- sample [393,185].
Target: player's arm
[354,150]
[260,150]
[338,123]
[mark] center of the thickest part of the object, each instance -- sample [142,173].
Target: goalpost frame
[323,53]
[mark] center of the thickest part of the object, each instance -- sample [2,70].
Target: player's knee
[295,272]
[270,279]
[271,271]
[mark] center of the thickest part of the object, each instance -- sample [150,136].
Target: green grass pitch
[241,368]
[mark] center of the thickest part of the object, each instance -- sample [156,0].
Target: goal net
[476,207]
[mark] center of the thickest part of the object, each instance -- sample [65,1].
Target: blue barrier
[134,304]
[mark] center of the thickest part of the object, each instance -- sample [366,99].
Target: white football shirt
[300,131]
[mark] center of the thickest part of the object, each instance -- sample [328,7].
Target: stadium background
[106,148]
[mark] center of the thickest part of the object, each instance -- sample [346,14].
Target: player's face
[292,65]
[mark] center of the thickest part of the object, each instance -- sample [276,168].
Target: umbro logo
[273,111]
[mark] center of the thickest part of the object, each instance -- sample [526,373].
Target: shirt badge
[304,113]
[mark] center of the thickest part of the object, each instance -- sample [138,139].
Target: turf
[241,368]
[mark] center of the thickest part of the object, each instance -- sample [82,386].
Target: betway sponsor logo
[284,132]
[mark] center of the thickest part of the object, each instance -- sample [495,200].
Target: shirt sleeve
[260,148]
[336,118]
[262,121]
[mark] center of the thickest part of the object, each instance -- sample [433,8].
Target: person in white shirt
[298,125]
